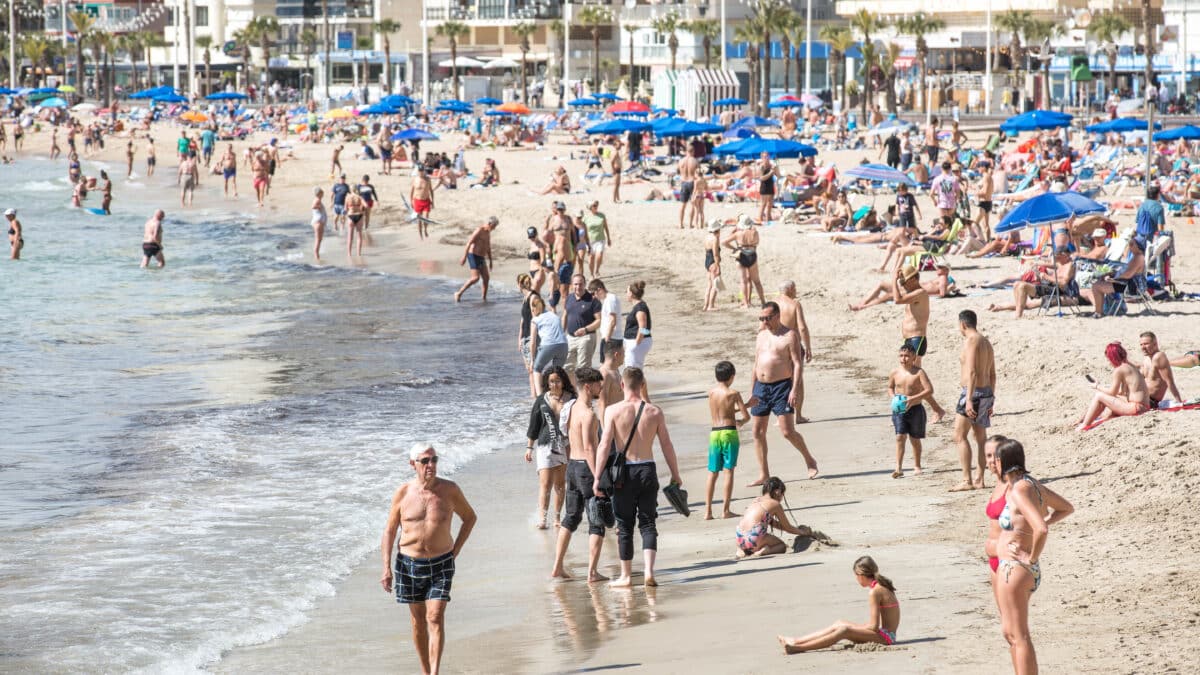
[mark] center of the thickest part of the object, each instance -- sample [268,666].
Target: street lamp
[808,50]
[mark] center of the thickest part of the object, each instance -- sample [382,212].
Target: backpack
[1146,227]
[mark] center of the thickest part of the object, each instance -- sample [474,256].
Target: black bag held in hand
[614,473]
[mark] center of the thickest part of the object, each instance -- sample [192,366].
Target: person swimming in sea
[881,625]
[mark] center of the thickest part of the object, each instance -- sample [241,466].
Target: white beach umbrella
[461,62]
[84,107]
[501,63]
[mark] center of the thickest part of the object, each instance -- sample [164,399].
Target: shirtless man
[478,248]
[689,167]
[778,360]
[272,151]
[791,314]
[420,195]
[129,160]
[1156,368]
[633,424]
[422,510]
[335,162]
[229,170]
[151,159]
[984,196]
[258,165]
[189,173]
[1127,395]
[152,240]
[974,410]
[583,432]
[908,291]
[355,210]
[616,168]
[610,369]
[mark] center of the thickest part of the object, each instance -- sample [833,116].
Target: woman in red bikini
[995,507]
[880,628]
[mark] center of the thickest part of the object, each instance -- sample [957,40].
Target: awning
[738,50]
[357,56]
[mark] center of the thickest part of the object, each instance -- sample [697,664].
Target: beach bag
[615,471]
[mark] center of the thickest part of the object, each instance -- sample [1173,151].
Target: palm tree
[452,31]
[150,40]
[243,38]
[870,61]
[867,22]
[769,16]
[797,36]
[1042,30]
[707,30]
[1107,28]
[839,39]
[790,26]
[748,34]
[83,23]
[104,42]
[668,24]
[205,43]
[1014,22]
[631,29]
[523,30]
[36,48]
[595,16]
[328,67]
[385,27]
[919,25]
[130,43]
[263,29]
[560,46]
[308,43]
[887,63]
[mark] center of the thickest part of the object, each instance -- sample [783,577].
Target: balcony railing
[661,54]
[494,10]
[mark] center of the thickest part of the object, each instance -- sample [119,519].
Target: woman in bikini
[712,263]
[744,240]
[880,627]
[319,218]
[995,506]
[537,254]
[16,239]
[753,536]
[1127,395]
[1030,508]
[355,210]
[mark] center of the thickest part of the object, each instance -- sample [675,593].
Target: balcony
[492,11]
[661,55]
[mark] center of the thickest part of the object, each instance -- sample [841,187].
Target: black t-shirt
[631,322]
[893,146]
[581,312]
[340,190]
[905,204]
[367,192]
[526,315]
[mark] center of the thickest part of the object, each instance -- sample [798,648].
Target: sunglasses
[426,460]
[766,318]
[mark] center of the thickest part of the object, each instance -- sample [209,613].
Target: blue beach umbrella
[584,102]
[740,133]
[880,173]
[500,113]
[488,100]
[669,127]
[618,126]
[462,108]
[54,102]
[786,103]
[753,122]
[1035,120]
[397,101]
[379,109]
[606,97]
[225,96]
[414,134]
[44,90]
[1121,124]
[670,112]
[1186,131]
[753,147]
[731,147]
[733,101]
[153,91]
[170,98]
[453,101]
[1051,207]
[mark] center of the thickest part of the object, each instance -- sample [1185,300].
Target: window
[201,17]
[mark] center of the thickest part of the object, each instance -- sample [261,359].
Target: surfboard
[95,211]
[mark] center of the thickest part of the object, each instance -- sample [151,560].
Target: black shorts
[772,398]
[911,422]
[150,249]
[417,580]
[271,168]
[579,491]
[908,219]
[918,343]
[685,190]
[476,262]
[986,207]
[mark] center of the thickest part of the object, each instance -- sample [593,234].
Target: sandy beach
[1119,591]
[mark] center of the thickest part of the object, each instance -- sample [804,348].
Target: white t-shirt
[610,309]
[549,328]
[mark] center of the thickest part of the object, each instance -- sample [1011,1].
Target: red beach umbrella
[628,107]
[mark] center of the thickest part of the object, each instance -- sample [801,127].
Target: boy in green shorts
[728,412]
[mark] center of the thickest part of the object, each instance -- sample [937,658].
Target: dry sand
[1120,589]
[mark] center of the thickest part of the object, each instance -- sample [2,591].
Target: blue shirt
[207,139]
[1154,209]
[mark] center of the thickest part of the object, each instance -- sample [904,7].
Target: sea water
[192,456]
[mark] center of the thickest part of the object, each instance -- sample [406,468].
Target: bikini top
[894,604]
[1006,515]
[994,509]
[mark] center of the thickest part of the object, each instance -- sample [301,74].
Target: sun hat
[907,272]
[1099,233]
[715,224]
[10,212]
[744,222]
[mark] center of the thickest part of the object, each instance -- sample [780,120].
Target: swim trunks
[259,182]
[420,579]
[339,209]
[685,190]
[983,399]
[723,445]
[565,272]
[579,491]
[422,205]
[271,167]
[229,173]
[986,207]
[151,249]
[772,398]
[918,343]
[476,262]
[911,422]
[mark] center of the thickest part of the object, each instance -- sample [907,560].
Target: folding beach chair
[938,254]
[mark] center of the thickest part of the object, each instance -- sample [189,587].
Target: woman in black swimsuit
[744,241]
[767,172]
[16,240]
[537,259]
[712,263]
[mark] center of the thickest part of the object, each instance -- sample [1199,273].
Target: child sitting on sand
[880,627]
[908,385]
[765,512]
[728,412]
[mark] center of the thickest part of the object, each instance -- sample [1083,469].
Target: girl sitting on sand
[880,628]
[765,512]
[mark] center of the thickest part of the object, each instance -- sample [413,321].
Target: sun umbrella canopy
[85,107]
[614,127]
[5,91]
[584,102]
[43,90]
[456,107]
[879,173]
[606,97]
[668,127]
[1051,207]
[461,62]
[812,100]
[414,134]
[515,108]
[397,101]
[753,147]
[153,91]
[784,104]
[54,102]
[70,89]
[1187,131]
[194,116]
[887,126]
[499,113]
[1035,120]
[170,98]
[379,109]
[225,96]
[500,64]
[1121,124]
[339,114]
[753,122]
[723,102]
[740,133]
[628,108]
[488,100]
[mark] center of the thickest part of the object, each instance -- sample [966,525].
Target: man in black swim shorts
[777,366]
[423,569]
